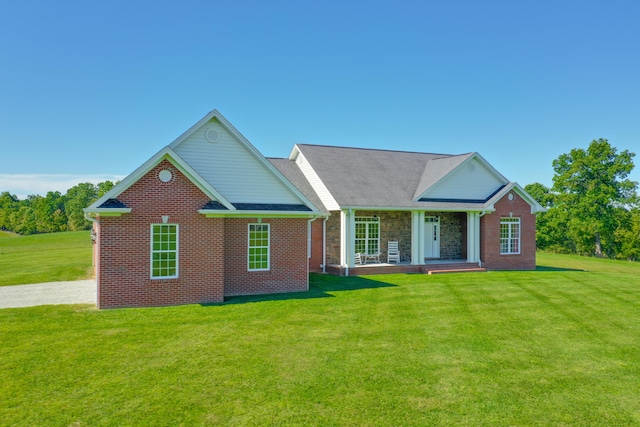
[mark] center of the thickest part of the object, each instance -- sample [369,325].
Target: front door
[431,237]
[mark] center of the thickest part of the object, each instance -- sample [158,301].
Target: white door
[431,237]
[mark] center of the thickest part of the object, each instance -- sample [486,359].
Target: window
[164,251]
[509,235]
[367,235]
[258,247]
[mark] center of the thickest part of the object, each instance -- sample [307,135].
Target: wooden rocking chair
[393,254]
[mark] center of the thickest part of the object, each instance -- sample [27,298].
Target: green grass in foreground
[552,347]
[44,257]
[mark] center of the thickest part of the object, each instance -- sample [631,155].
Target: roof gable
[227,161]
[469,178]
[164,154]
[436,169]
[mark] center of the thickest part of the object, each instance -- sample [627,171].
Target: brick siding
[288,256]
[315,260]
[123,266]
[212,252]
[490,236]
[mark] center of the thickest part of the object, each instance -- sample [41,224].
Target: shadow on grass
[547,268]
[320,286]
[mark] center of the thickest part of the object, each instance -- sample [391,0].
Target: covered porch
[442,240]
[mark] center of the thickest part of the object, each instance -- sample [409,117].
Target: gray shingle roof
[290,170]
[379,178]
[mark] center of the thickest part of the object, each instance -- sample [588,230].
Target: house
[209,217]
[441,209]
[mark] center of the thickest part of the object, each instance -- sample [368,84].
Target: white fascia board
[107,211]
[428,208]
[312,177]
[212,213]
[294,152]
[248,145]
[170,155]
[514,186]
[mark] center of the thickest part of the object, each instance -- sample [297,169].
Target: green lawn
[44,257]
[557,346]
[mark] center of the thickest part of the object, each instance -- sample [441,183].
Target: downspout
[324,244]
[309,246]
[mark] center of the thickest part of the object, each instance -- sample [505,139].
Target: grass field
[558,346]
[44,257]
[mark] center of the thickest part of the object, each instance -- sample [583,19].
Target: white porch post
[473,237]
[417,238]
[347,227]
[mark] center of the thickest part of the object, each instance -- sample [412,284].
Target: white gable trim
[314,179]
[165,154]
[249,146]
[474,156]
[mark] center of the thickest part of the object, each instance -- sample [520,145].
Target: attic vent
[471,167]
[165,175]
[212,135]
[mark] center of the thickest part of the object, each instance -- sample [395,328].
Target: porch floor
[430,266]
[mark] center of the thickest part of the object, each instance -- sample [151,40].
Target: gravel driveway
[76,292]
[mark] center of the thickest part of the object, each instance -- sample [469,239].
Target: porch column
[473,237]
[347,240]
[417,238]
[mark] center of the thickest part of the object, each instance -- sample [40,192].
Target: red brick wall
[315,261]
[123,267]
[288,257]
[490,236]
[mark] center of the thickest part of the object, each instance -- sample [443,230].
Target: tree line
[592,206]
[51,213]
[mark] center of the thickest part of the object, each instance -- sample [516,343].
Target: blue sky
[91,90]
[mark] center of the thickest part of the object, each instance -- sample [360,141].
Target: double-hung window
[259,247]
[367,235]
[509,235]
[164,251]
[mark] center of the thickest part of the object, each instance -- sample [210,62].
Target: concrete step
[458,270]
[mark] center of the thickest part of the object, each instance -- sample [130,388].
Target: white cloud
[23,185]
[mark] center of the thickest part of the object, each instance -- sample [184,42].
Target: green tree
[103,187]
[628,235]
[49,212]
[551,226]
[78,198]
[8,204]
[589,185]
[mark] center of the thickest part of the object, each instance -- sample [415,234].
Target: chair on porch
[393,254]
[357,258]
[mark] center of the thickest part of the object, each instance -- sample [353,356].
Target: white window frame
[367,220]
[251,246]
[153,251]
[512,237]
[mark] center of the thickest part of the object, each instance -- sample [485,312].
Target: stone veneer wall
[453,232]
[396,225]
[333,238]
